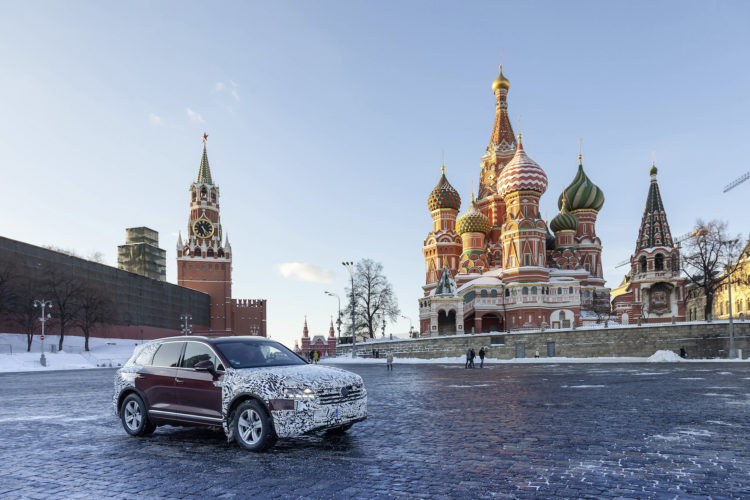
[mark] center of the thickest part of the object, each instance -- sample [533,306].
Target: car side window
[144,358]
[168,354]
[195,352]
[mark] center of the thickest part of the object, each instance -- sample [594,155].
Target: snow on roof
[481,281]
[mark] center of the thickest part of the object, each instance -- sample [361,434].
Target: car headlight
[299,393]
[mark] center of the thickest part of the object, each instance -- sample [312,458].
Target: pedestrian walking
[389,361]
[473,355]
[683,353]
[468,357]
[315,357]
[536,354]
[481,357]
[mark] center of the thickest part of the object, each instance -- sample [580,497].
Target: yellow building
[740,294]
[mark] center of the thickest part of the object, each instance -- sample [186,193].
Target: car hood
[313,376]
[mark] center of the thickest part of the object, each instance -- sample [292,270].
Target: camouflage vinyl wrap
[340,396]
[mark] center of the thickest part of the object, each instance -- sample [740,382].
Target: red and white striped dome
[521,174]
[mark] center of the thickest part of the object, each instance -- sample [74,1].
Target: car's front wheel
[134,416]
[253,427]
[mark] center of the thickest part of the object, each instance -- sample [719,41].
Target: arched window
[493,293]
[484,293]
[533,290]
[193,197]
[587,294]
[210,252]
[570,290]
[203,193]
[642,262]
[562,315]
[507,292]
[213,195]
[559,291]
[221,253]
[525,290]
[527,260]
[659,262]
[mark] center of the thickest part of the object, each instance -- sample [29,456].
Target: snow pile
[664,357]
[102,353]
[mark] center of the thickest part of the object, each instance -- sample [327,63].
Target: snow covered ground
[115,352]
[657,357]
[102,353]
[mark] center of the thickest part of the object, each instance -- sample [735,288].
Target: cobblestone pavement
[439,431]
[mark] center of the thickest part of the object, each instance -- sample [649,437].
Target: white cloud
[305,272]
[196,117]
[154,119]
[221,87]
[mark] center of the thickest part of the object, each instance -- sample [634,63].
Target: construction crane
[737,182]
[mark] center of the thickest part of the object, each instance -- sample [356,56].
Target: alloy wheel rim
[133,415]
[250,426]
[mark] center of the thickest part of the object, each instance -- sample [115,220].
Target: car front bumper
[310,416]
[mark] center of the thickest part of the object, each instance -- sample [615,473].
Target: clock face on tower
[203,228]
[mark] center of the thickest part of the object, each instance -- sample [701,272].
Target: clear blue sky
[327,121]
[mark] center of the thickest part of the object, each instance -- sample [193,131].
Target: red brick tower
[499,152]
[524,236]
[203,262]
[656,292]
[305,338]
[584,199]
[442,243]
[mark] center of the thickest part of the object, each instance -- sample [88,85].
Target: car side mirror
[205,366]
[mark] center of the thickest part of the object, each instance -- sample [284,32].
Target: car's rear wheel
[253,426]
[134,416]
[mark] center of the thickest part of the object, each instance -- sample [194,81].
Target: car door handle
[179,381]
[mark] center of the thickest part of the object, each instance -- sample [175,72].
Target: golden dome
[500,82]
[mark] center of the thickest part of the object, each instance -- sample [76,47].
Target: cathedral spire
[204,172]
[502,137]
[654,229]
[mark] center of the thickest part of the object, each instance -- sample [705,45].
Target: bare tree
[24,314]
[94,307]
[374,298]
[706,254]
[64,290]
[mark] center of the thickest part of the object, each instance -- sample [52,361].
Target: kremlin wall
[141,304]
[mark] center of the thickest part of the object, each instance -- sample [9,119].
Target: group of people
[470,355]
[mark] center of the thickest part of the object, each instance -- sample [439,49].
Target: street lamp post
[43,304]
[187,328]
[338,321]
[732,348]
[350,267]
[411,326]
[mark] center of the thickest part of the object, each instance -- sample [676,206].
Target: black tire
[134,416]
[337,431]
[253,427]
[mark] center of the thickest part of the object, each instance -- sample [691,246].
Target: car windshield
[255,354]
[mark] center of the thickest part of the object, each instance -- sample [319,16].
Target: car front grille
[336,395]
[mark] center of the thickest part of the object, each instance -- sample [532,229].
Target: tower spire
[654,229]
[204,172]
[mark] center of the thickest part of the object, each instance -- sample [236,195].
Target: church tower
[656,292]
[442,243]
[499,152]
[204,262]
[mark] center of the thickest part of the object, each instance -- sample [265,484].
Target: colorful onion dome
[443,196]
[564,221]
[653,170]
[582,194]
[500,82]
[521,174]
[473,221]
